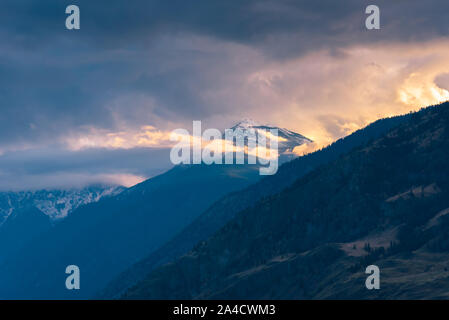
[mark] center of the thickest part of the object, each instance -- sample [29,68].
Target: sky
[97,105]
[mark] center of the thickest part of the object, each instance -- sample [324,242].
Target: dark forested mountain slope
[385,203]
[225,209]
[21,226]
[106,237]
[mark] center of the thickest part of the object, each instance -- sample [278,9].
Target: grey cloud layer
[53,80]
[56,168]
[116,22]
[165,63]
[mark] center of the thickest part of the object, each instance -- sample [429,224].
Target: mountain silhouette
[223,210]
[105,238]
[384,203]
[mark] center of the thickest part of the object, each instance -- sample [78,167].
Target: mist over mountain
[129,152]
[223,210]
[384,203]
[106,237]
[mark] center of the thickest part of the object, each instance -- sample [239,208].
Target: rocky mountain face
[287,140]
[56,204]
[384,203]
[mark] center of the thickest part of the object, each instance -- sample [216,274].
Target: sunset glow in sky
[99,104]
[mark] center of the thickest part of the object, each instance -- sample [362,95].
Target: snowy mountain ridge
[56,204]
[288,139]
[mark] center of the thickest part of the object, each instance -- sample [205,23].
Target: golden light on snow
[322,95]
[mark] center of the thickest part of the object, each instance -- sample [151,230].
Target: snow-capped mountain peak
[287,141]
[247,123]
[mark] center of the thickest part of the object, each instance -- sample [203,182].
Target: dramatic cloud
[137,70]
[327,96]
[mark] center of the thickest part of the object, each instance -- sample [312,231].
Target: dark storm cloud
[146,62]
[114,23]
[53,79]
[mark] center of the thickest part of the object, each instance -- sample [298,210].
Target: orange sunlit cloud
[147,136]
[325,96]
[321,95]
